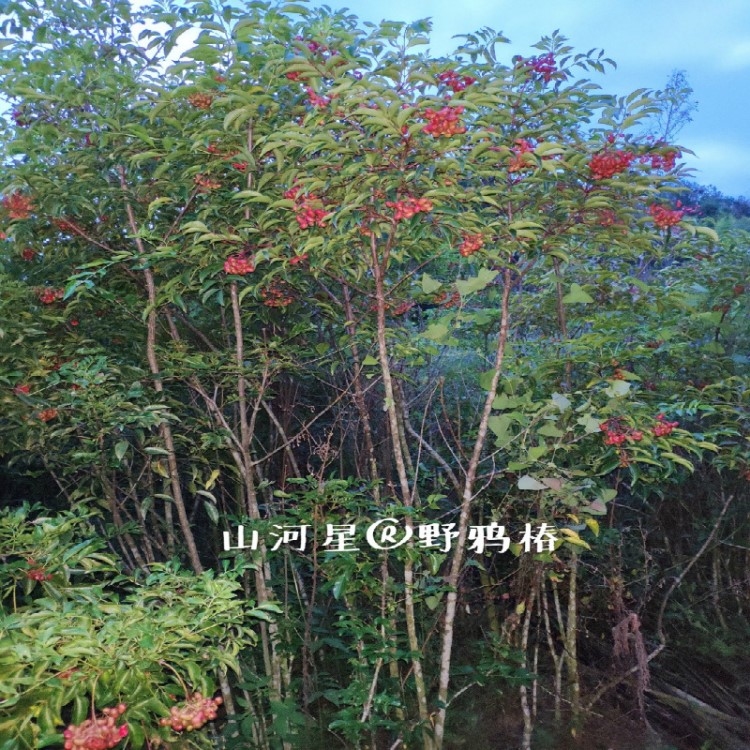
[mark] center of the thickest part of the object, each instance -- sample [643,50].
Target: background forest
[301,273]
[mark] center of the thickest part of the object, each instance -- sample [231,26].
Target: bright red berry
[606,164]
[238,265]
[444,122]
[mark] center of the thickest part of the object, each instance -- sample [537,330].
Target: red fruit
[665,161]
[74,322]
[97,734]
[47,415]
[240,166]
[238,265]
[471,244]
[444,122]
[201,101]
[543,66]
[409,207]
[311,217]
[276,295]
[47,295]
[192,714]
[18,206]
[28,254]
[205,183]
[315,100]
[663,217]
[403,308]
[37,572]
[453,81]
[22,389]
[608,163]
[663,426]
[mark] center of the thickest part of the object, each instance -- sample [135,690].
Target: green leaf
[477,283]
[211,510]
[617,388]
[577,296]
[436,332]
[121,449]
[527,482]
[549,429]
[430,285]
[563,403]
[678,460]
[432,602]
[589,423]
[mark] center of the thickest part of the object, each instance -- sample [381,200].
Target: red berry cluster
[28,254]
[47,415]
[47,295]
[205,183]
[97,734]
[444,122]
[665,161]
[409,207]
[22,389]
[607,217]
[192,714]
[663,427]
[296,75]
[238,265]
[471,244]
[277,294]
[403,308]
[315,100]
[543,66]
[517,162]
[455,82]
[663,217]
[618,432]
[307,216]
[609,163]
[20,118]
[312,45]
[37,572]
[311,217]
[18,206]
[447,301]
[240,166]
[201,101]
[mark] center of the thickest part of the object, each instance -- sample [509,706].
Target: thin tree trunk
[463,523]
[164,428]
[406,495]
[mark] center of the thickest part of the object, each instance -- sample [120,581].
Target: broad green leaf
[430,285]
[475,284]
[577,296]
[527,482]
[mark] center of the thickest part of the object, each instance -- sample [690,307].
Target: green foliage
[225,230]
[87,634]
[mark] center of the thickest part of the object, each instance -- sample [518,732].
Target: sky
[708,39]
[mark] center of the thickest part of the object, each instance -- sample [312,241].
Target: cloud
[736,56]
[723,163]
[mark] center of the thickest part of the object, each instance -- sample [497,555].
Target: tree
[309,275]
[675,109]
